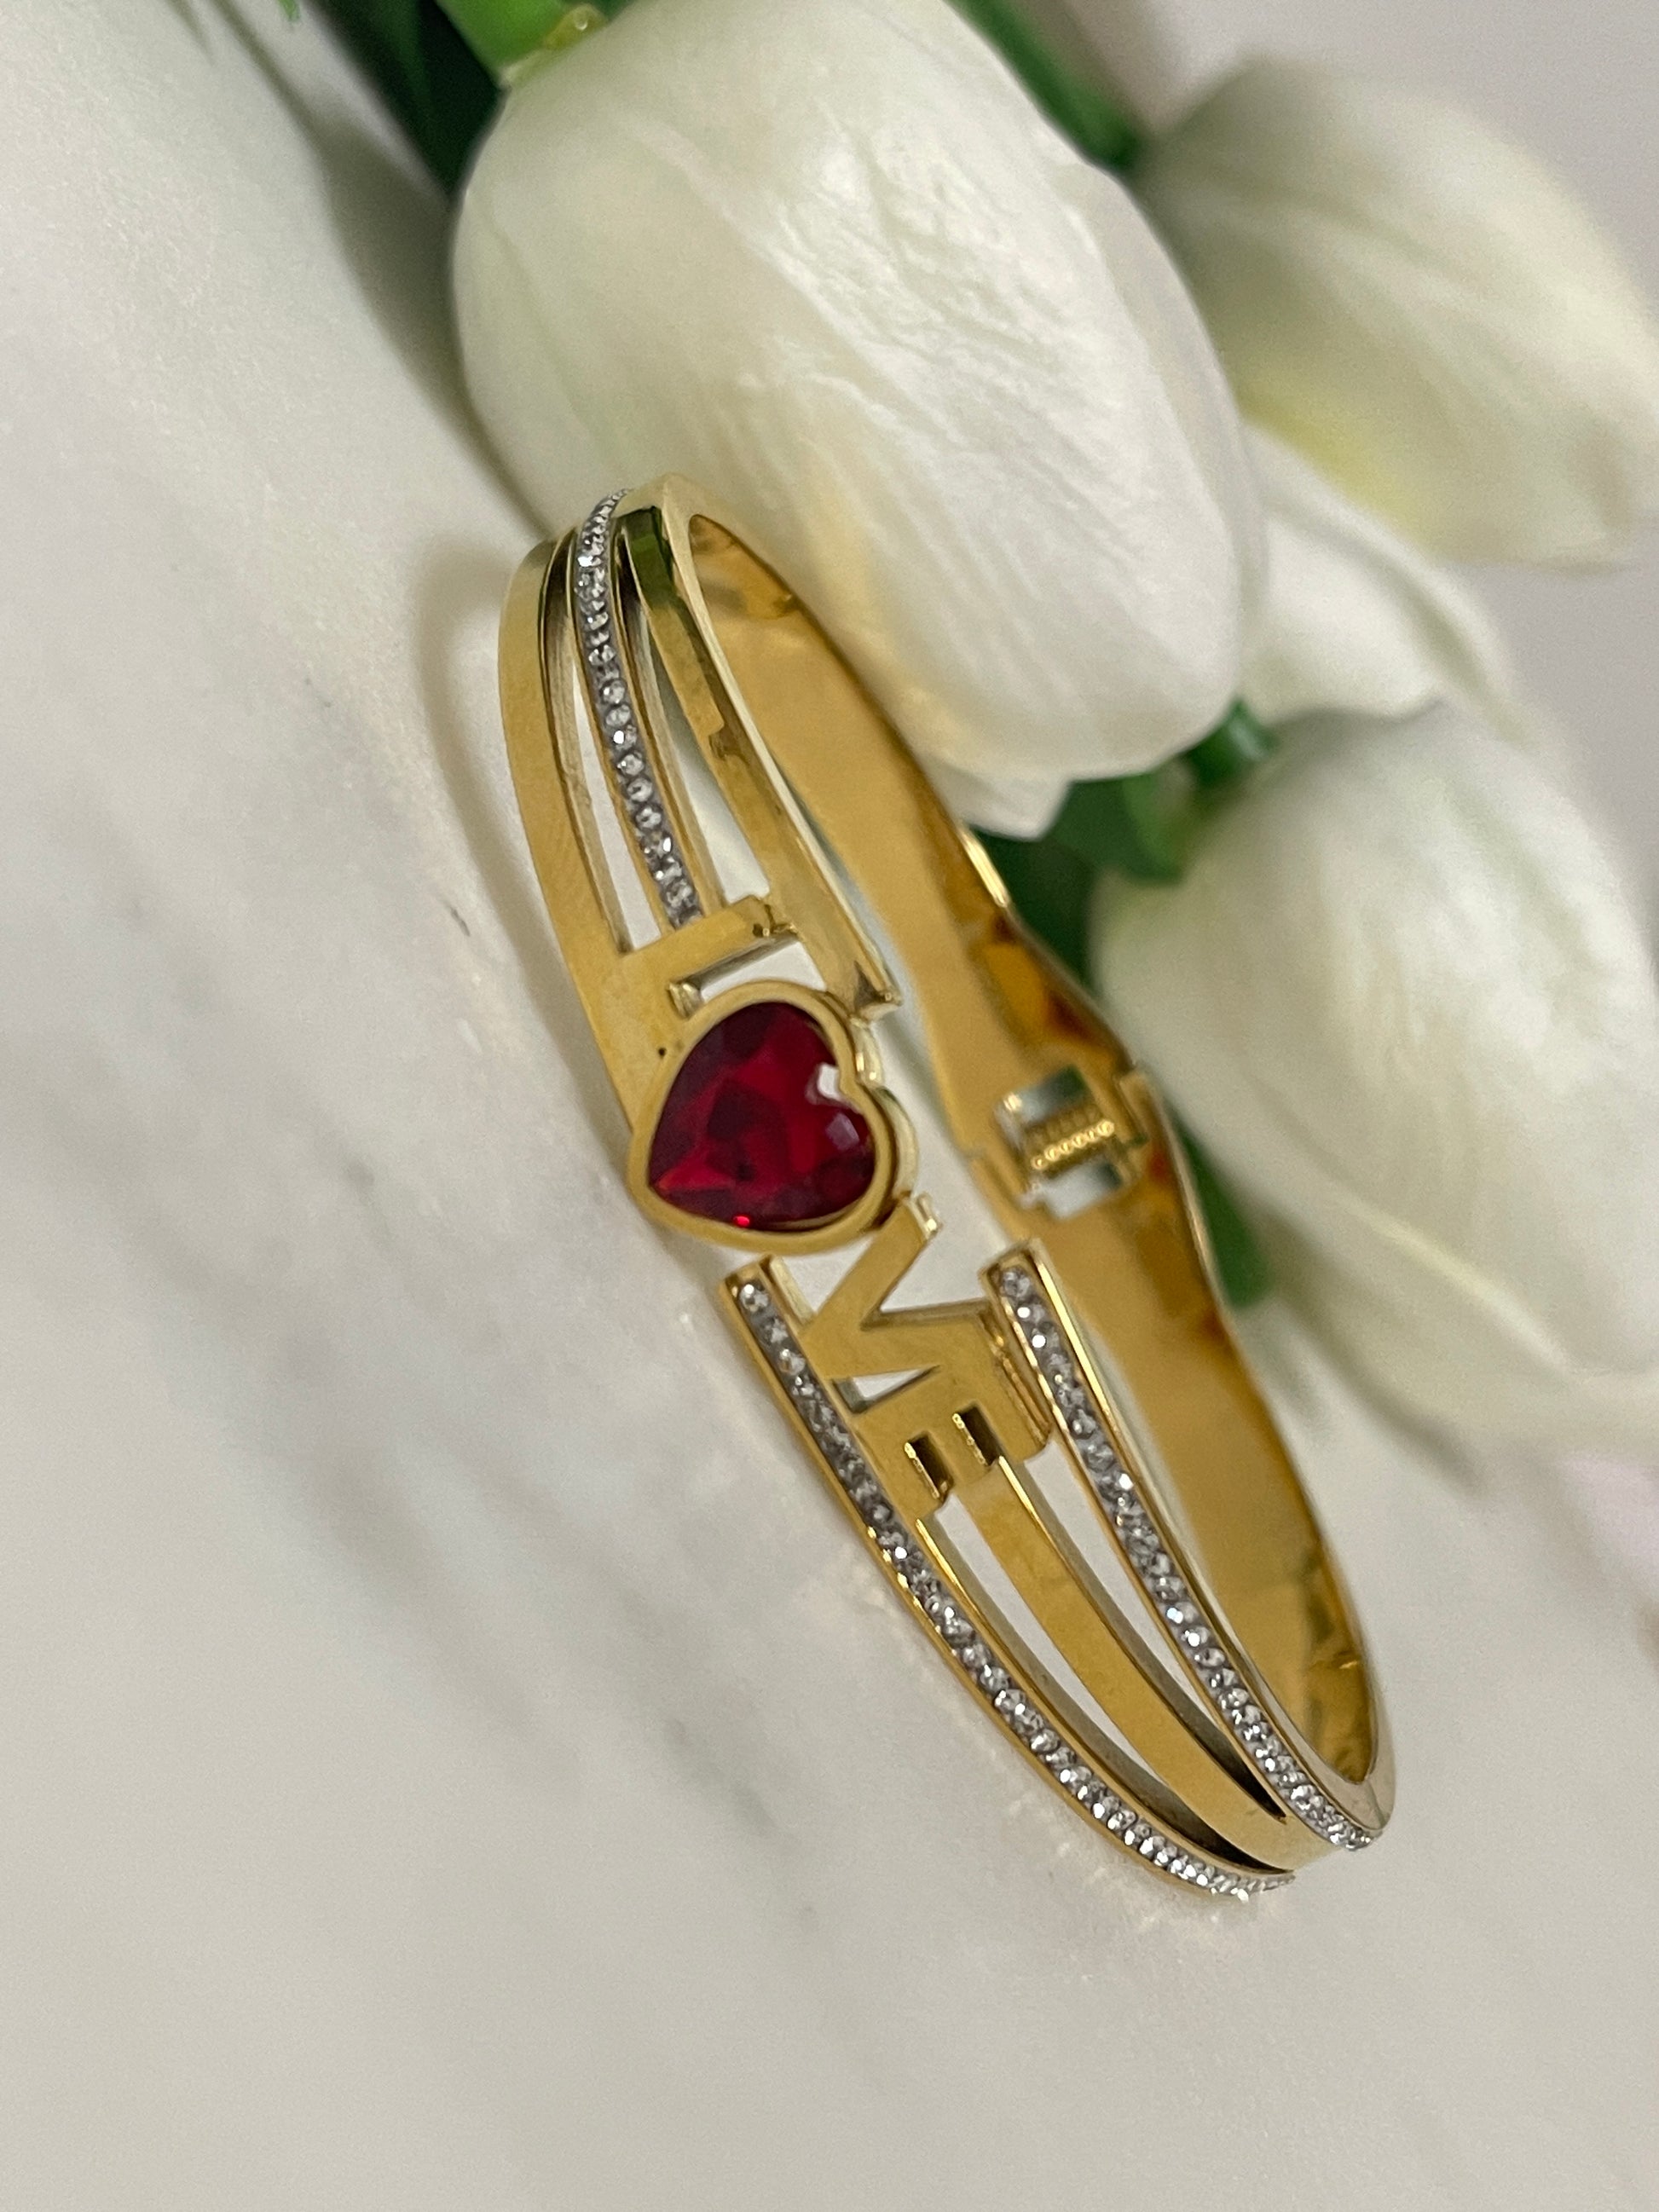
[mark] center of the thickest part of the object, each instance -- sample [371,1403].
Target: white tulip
[1016,806]
[1355,620]
[1401,999]
[826,257]
[1421,308]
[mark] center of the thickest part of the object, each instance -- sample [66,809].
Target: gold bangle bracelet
[1070,1476]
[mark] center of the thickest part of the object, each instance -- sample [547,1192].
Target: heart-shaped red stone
[753,1131]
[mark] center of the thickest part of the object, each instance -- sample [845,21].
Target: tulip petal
[1401,998]
[1421,308]
[1011,806]
[826,257]
[1357,621]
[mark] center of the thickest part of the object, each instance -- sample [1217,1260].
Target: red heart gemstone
[753,1132]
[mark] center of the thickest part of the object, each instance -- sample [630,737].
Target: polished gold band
[1076,1486]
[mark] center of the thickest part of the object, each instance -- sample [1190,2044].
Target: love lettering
[963,1405]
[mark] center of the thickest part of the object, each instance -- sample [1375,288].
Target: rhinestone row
[1169,1591]
[906,1563]
[615,721]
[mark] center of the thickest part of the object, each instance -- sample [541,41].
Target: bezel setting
[858,1070]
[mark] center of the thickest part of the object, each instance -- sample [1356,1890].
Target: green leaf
[1050,887]
[1246,1273]
[1095,124]
[1145,826]
[430,78]
[1141,825]
[1232,749]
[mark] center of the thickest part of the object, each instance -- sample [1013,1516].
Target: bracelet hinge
[1065,1124]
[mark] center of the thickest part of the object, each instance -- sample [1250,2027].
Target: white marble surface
[453,1755]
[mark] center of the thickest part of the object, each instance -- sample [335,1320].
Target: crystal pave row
[616,720]
[905,1561]
[1142,1543]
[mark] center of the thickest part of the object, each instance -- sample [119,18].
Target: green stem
[441,63]
[503,32]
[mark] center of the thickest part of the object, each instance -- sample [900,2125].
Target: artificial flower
[1420,307]
[1404,1004]
[828,257]
[1355,619]
[1012,805]
[965,404]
